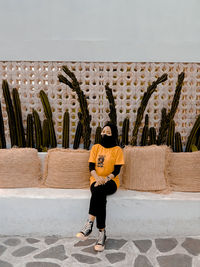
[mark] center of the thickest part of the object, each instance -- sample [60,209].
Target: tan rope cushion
[145,167]
[67,168]
[184,171]
[19,167]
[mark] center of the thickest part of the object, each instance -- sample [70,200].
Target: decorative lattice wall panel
[129,81]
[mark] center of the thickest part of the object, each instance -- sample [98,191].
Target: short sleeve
[93,154]
[119,157]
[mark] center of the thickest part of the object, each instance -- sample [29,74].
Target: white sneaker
[100,244]
[85,231]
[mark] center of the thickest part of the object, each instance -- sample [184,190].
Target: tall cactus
[125,130]
[2,132]
[11,114]
[178,143]
[170,135]
[18,118]
[29,131]
[170,116]
[145,132]
[113,113]
[74,85]
[143,105]
[45,133]
[191,138]
[152,136]
[78,134]
[48,114]
[98,135]
[65,133]
[38,131]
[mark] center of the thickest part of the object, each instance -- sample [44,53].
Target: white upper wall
[100,30]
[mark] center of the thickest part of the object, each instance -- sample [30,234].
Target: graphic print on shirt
[100,162]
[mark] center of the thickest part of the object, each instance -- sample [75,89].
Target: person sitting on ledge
[105,162]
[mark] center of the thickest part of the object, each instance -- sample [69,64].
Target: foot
[86,231]
[100,244]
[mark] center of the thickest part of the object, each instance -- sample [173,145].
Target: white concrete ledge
[130,214]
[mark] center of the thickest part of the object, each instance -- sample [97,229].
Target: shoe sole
[82,237]
[99,248]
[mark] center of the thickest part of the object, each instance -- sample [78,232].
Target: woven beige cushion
[145,167]
[19,167]
[67,168]
[184,171]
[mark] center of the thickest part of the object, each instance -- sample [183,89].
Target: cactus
[170,116]
[86,119]
[152,136]
[48,114]
[170,135]
[38,130]
[78,134]
[125,130]
[145,132]
[143,105]
[29,131]
[45,133]
[191,138]
[10,112]
[113,113]
[194,148]
[178,143]
[98,135]
[18,118]
[65,133]
[2,132]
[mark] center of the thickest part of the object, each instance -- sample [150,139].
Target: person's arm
[99,180]
[114,173]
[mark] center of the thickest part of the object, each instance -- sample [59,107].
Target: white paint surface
[100,30]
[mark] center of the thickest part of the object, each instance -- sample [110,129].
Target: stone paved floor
[54,251]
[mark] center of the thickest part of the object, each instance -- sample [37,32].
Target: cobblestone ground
[55,251]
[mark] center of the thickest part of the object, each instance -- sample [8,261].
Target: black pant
[98,201]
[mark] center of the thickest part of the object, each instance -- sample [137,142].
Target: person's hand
[109,177]
[100,181]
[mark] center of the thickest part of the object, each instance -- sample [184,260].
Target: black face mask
[108,141]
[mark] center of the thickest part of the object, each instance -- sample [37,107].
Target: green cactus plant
[45,134]
[18,118]
[170,135]
[78,134]
[152,136]
[145,132]
[65,133]
[11,114]
[192,136]
[48,114]
[178,143]
[38,131]
[98,135]
[86,119]
[125,130]
[113,113]
[2,132]
[194,148]
[29,132]
[170,116]
[140,112]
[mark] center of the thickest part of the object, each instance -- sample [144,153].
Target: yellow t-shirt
[105,159]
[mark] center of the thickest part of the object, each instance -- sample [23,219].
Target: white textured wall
[100,30]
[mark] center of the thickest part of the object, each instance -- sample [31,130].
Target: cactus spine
[191,138]
[170,136]
[10,112]
[2,132]
[125,130]
[143,105]
[48,114]
[65,133]
[152,136]
[178,142]
[170,116]
[86,119]
[18,118]
[113,113]
[29,134]
[98,135]
[145,131]
[38,131]
[78,134]
[45,133]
